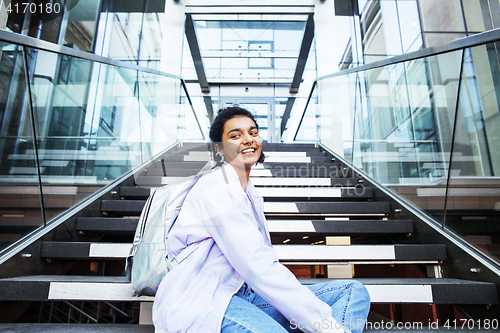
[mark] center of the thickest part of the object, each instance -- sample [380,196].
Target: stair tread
[286,253]
[134,328]
[76,328]
[327,192]
[335,227]
[305,281]
[299,207]
[393,290]
[117,225]
[340,183]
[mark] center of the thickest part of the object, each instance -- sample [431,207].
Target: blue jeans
[248,312]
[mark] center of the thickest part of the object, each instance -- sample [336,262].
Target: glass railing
[72,122]
[427,126]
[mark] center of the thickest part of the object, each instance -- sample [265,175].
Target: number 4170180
[33,8]
[471,323]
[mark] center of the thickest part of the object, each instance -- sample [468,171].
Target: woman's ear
[218,148]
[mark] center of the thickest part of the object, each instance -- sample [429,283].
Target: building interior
[404,94]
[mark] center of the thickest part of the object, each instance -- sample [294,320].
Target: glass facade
[249,49]
[84,125]
[394,27]
[428,130]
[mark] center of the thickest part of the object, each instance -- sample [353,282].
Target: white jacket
[237,248]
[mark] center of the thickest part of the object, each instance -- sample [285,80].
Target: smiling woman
[233,281]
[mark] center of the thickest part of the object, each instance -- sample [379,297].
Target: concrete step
[134,208]
[113,288]
[269,159]
[311,171]
[426,290]
[329,165]
[312,193]
[271,153]
[311,208]
[176,165]
[289,145]
[279,172]
[76,328]
[109,225]
[298,254]
[131,328]
[285,192]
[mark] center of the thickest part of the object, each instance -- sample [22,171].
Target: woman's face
[241,142]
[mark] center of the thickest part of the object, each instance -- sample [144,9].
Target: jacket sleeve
[228,217]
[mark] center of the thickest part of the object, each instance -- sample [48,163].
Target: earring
[219,158]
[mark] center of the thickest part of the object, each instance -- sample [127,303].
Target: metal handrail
[459,44]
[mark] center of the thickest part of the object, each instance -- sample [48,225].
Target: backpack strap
[186,252]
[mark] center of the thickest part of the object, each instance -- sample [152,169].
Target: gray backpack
[147,262]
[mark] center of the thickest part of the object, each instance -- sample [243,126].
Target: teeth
[247,150]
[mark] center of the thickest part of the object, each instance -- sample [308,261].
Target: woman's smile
[241,142]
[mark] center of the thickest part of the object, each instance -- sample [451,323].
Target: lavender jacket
[193,297]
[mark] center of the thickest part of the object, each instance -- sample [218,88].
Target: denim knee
[362,294]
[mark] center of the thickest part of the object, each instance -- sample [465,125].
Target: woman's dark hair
[225,114]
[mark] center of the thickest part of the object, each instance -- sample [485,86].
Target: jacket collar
[254,196]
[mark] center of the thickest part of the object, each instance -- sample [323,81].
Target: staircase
[325,222]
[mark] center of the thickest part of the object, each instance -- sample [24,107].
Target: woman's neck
[243,175]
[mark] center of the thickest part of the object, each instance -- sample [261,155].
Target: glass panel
[474,188]
[309,129]
[473,15]
[337,101]
[390,28]
[376,129]
[20,205]
[293,121]
[97,122]
[44,19]
[124,22]
[441,15]
[81,24]
[279,110]
[117,123]
[403,133]
[152,34]
[409,23]
[60,88]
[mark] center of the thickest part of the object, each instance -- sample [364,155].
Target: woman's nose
[247,138]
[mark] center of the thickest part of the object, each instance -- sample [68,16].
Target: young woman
[233,281]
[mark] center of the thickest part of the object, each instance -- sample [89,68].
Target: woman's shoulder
[218,185]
